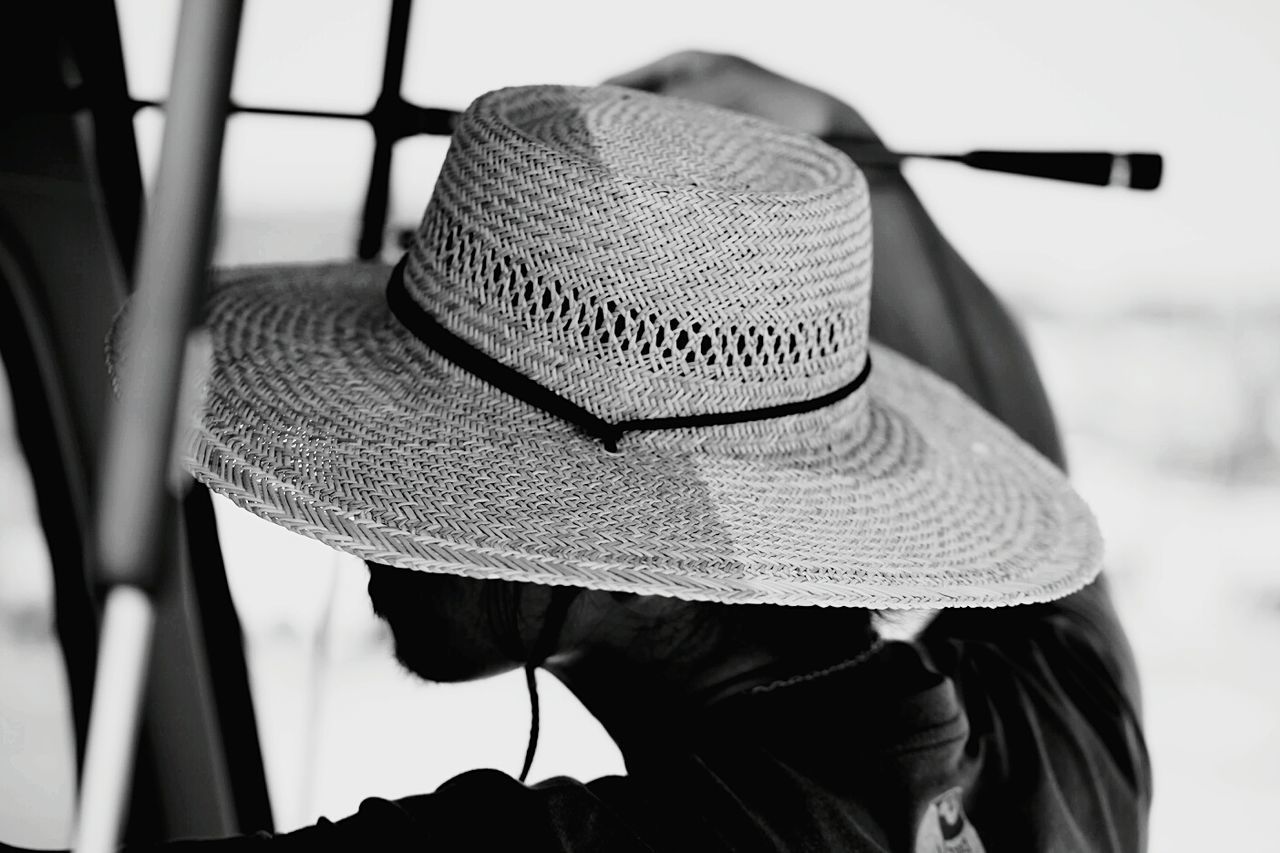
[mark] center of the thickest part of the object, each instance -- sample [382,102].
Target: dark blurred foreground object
[140,487]
[70,203]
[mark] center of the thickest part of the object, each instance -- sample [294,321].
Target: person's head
[626,349]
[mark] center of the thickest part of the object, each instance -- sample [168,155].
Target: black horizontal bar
[412,120]
[1139,171]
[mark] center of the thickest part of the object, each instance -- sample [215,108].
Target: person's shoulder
[1081,632]
[1051,683]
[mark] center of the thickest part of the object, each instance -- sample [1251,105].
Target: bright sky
[1193,80]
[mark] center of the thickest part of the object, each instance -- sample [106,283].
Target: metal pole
[140,431]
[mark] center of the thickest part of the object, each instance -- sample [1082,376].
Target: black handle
[1099,168]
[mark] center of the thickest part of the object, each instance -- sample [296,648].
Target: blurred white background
[1155,319]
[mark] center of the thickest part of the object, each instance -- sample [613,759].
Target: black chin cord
[544,645]
[424,326]
[531,680]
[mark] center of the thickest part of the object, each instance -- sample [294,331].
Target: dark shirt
[1008,730]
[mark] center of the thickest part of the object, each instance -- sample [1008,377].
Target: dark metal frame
[391,119]
[199,762]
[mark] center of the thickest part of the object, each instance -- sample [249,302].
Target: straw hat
[627,350]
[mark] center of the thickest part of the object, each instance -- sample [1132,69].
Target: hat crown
[645,256]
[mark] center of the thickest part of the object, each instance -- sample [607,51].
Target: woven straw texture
[648,257]
[643,257]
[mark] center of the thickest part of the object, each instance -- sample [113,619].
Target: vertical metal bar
[386,117]
[170,281]
[131,510]
[127,621]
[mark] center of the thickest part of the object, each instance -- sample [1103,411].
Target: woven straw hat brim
[325,416]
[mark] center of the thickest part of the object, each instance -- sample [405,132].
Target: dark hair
[807,635]
[815,634]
